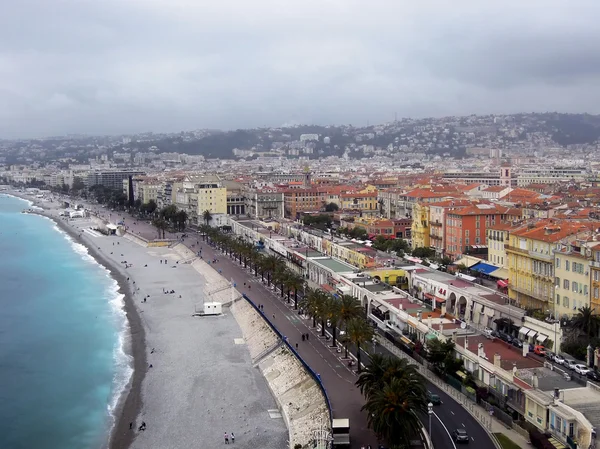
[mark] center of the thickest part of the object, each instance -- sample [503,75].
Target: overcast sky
[121,66]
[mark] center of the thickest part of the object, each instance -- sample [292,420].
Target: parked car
[582,369]
[571,364]
[433,398]
[517,343]
[559,359]
[550,355]
[593,375]
[460,436]
[539,350]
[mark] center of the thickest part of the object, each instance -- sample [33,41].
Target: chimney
[480,351]
[497,360]
[514,369]
[441,327]
[454,336]
[534,381]
[429,321]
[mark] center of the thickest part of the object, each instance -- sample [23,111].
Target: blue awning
[484,268]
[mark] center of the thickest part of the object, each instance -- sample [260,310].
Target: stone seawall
[300,399]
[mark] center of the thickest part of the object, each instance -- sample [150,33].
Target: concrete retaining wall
[299,398]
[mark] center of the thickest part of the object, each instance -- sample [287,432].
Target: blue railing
[314,375]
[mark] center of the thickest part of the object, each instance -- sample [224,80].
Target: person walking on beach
[232,438]
[226,438]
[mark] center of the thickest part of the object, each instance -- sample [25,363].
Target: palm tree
[161,225]
[311,303]
[586,322]
[380,370]
[295,282]
[359,332]
[333,310]
[207,216]
[280,276]
[392,410]
[271,263]
[349,308]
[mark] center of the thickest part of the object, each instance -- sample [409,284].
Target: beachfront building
[212,197]
[266,202]
[112,179]
[594,246]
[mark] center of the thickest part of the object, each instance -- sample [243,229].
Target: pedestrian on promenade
[226,438]
[130,425]
[232,438]
[306,337]
[296,345]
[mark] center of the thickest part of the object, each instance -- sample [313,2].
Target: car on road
[582,369]
[433,398]
[550,355]
[559,359]
[517,343]
[539,350]
[593,375]
[460,436]
[571,364]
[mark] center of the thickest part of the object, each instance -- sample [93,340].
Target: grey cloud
[165,65]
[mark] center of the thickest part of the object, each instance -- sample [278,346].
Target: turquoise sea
[62,327]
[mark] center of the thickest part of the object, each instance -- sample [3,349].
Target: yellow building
[572,279]
[420,226]
[595,276]
[530,253]
[212,197]
[498,236]
[348,252]
[536,408]
[364,200]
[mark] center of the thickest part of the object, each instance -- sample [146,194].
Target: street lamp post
[430,412]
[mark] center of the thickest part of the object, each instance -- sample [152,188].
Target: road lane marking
[473,438]
[463,425]
[452,412]
[446,429]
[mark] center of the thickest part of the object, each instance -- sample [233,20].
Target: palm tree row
[343,314]
[273,267]
[395,394]
[394,390]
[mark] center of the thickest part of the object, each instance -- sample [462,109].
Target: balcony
[435,223]
[514,249]
[595,264]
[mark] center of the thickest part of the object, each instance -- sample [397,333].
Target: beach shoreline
[130,401]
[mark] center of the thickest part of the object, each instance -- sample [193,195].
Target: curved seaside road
[337,378]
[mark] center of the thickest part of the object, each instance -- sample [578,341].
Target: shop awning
[467,261]
[484,268]
[524,330]
[502,284]
[500,273]
[541,338]
[531,333]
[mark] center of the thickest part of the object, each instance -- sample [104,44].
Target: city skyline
[123,67]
